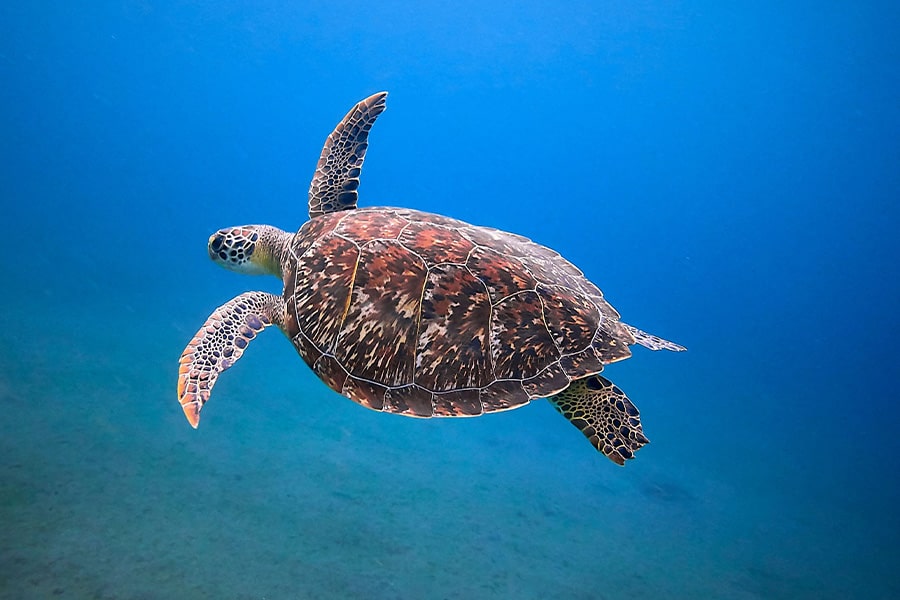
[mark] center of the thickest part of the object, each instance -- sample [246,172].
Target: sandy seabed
[290,491]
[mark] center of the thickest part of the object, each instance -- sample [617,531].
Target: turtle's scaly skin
[220,343]
[420,314]
[336,179]
[605,415]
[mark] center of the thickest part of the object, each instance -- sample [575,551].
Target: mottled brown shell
[415,313]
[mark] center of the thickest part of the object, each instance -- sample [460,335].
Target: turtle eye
[216,244]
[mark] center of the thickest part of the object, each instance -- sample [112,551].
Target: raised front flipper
[604,414]
[334,184]
[219,343]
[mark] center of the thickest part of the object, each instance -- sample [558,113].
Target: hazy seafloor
[727,174]
[290,491]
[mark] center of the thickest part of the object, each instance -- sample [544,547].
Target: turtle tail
[648,340]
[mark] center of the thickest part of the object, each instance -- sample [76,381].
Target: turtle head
[249,249]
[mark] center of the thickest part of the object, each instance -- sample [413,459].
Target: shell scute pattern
[436,244]
[330,371]
[454,348]
[548,266]
[371,225]
[571,318]
[367,393]
[586,361]
[410,400]
[546,383]
[317,304]
[458,403]
[432,219]
[312,231]
[424,315]
[611,342]
[503,394]
[378,337]
[508,244]
[502,275]
[521,344]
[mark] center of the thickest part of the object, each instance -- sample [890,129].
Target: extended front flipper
[334,183]
[219,343]
[604,414]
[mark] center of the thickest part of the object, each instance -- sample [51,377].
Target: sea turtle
[414,313]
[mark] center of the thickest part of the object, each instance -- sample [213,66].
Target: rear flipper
[604,414]
[648,340]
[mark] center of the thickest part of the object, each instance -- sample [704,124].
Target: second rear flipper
[605,416]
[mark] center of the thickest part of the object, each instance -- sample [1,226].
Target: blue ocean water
[728,174]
